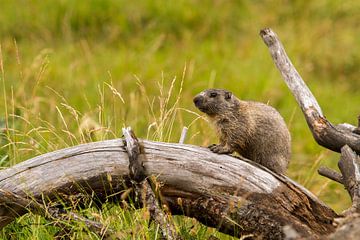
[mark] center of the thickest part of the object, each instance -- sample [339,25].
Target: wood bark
[234,195]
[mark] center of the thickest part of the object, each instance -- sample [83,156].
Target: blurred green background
[78,71]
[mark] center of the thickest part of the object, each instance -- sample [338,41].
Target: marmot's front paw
[218,148]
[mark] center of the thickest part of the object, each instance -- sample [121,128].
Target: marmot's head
[215,101]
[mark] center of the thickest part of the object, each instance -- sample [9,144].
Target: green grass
[73,72]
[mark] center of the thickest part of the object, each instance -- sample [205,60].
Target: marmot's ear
[228,95]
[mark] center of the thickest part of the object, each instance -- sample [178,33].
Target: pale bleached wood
[325,133]
[221,191]
[292,78]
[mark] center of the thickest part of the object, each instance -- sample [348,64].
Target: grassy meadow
[78,71]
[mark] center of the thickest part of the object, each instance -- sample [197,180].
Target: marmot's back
[269,143]
[254,130]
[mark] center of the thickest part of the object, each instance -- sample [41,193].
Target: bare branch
[292,78]
[331,174]
[325,133]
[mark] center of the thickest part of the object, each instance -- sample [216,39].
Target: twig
[331,174]
[183,135]
[143,187]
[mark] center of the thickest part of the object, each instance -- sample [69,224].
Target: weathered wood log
[234,195]
[325,133]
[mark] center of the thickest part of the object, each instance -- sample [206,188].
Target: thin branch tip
[265,31]
[269,36]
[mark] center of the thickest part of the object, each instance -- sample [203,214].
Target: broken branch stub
[137,170]
[325,133]
[183,135]
[331,174]
[143,187]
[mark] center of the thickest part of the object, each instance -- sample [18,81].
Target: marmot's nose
[198,100]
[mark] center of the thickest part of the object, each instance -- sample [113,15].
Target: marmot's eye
[213,94]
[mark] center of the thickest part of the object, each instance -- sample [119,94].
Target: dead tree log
[236,196]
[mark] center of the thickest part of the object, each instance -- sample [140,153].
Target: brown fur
[254,130]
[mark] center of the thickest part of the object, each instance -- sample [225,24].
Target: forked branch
[344,137]
[325,133]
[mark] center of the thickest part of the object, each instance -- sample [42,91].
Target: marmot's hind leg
[277,163]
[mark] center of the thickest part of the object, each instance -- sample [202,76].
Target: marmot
[253,129]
